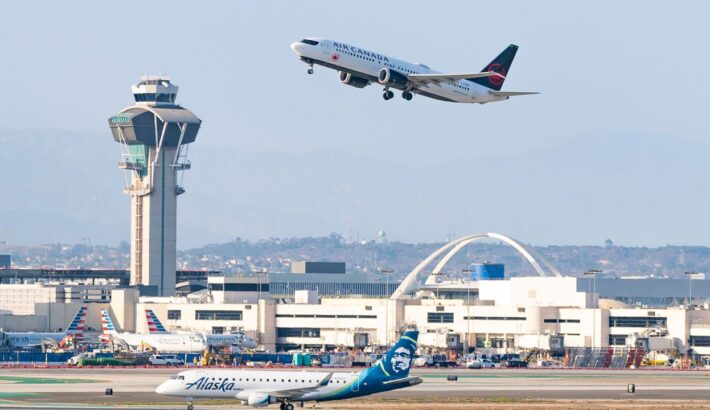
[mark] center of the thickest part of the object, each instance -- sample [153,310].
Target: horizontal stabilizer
[438,77]
[512,93]
[410,381]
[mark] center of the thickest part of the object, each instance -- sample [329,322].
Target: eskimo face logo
[494,79]
[401,359]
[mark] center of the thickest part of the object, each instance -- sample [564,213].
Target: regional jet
[261,388]
[27,340]
[360,67]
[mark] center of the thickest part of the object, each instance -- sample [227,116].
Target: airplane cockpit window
[311,42]
[178,377]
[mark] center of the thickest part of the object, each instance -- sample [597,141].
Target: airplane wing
[512,93]
[437,78]
[298,392]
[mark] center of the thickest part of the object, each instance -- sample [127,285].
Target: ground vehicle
[480,363]
[516,363]
[166,359]
[75,360]
[423,360]
[440,360]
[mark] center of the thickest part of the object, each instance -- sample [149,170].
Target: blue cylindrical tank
[487,271]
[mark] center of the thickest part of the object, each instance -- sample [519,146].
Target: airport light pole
[690,287]
[259,274]
[593,273]
[387,273]
[468,307]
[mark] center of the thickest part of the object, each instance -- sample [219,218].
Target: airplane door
[355,387]
[326,47]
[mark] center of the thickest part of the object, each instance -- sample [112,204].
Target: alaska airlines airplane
[164,343]
[27,340]
[240,340]
[359,68]
[261,388]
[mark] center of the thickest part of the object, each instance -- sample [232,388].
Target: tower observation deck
[154,135]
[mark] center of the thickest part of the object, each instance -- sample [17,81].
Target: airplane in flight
[240,340]
[28,340]
[261,388]
[164,342]
[360,67]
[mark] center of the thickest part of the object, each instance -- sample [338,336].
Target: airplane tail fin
[107,323]
[500,65]
[397,361]
[76,326]
[154,324]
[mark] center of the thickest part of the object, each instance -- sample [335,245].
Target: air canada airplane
[261,388]
[359,68]
[240,340]
[27,340]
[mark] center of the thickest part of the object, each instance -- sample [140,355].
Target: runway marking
[43,380]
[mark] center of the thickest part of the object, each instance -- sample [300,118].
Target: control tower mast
[154,134]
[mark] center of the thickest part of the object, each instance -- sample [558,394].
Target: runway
[482,388]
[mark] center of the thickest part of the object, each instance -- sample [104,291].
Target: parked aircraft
[27,340]
[239,340]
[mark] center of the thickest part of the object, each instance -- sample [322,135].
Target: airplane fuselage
[165,343]
[30,339]
[365,64]
[241,384]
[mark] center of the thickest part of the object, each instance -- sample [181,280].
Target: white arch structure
[411,280]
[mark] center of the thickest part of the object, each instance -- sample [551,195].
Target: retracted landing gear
[387,94]
[407,95]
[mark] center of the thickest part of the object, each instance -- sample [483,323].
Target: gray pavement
[85,388]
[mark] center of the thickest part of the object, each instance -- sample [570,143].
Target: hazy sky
[635,66]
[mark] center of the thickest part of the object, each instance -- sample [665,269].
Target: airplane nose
[162,389]
[297,47]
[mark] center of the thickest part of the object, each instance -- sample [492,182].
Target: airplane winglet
[326,379]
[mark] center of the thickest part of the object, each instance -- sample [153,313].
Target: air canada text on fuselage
[357,50]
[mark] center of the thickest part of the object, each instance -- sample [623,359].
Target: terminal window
[636,321]
[700,341]
[617,340]
[218,315]
[443,317]
[297,332]
[174,314]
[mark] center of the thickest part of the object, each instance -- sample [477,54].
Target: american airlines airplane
[240,340]
[164,343]
[263,387]
[360,67]
[27,340]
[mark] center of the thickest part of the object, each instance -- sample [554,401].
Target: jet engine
[387,76]
[260,399]
[349,79]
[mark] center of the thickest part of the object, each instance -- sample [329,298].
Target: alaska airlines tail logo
[154,324]
[494,79]
[397,361]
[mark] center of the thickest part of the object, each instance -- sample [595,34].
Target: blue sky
[638,67]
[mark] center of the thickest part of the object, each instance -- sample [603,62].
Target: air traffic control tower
[154,135]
